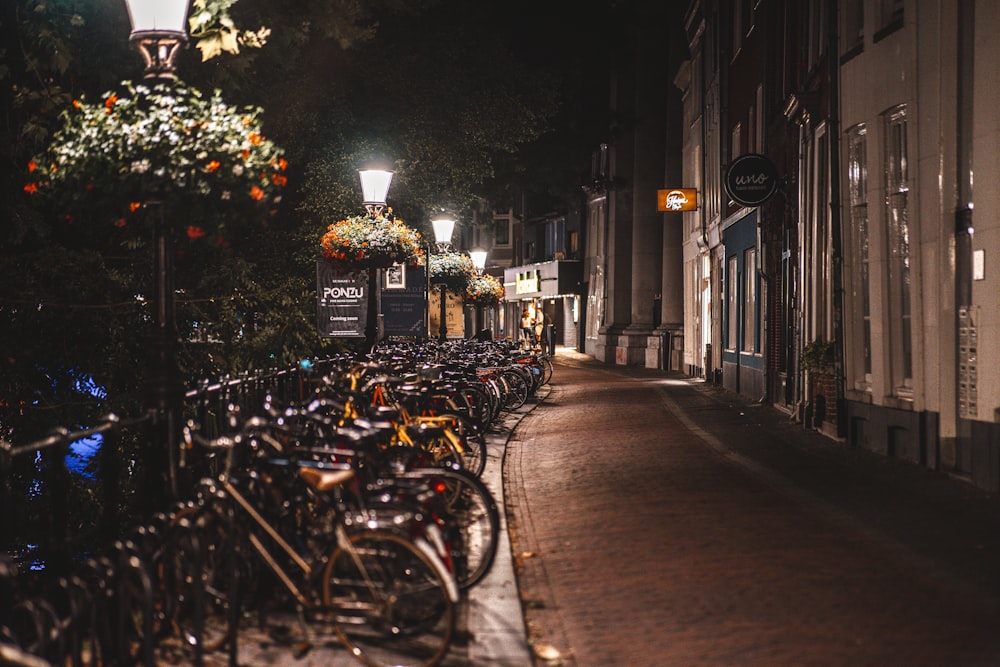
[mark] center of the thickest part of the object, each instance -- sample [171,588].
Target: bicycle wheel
[469,506]
[517,389]
[201,559]
[390,600]
[480,407]
[546,369]
[474,447]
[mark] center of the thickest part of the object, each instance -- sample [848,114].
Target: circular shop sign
[751,179]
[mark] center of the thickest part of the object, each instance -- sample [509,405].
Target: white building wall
[878,79]
[986,216]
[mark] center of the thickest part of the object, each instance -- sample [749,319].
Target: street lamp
[158,31]
[444,226]
[478,261]
[375,190]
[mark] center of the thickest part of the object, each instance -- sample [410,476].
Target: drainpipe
[963,205]
[835,215]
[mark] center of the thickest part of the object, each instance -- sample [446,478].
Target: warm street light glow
[158,30]
[443,229]
[478,259]
[158,15]
[375,188]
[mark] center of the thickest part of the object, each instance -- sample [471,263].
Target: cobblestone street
[659,521]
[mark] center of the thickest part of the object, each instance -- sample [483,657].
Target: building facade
[860,296]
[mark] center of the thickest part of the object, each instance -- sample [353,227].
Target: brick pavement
[656,521]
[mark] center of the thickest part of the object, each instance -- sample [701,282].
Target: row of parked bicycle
[355,512]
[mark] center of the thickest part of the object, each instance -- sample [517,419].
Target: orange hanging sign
[677,199]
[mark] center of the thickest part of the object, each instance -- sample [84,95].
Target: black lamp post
[443,228]
[158,31]
[478,261]
[375,189]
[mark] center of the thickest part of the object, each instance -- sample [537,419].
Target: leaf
[230,40]
[210,46]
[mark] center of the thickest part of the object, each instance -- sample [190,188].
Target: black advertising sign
[404,303]
[341,302]
[751,179]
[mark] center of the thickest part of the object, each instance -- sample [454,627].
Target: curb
[495,616]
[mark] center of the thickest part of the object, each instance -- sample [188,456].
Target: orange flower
[221,242]
[195,232]
[247,120]
[255,138]
[109,103]
[246,153]
[256,193]
[279,180]
[120,222]
[31,188]
[76,104]
[134,206]
[212,166]
[282,164]
[32,166]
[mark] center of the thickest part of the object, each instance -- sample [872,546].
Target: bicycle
[390,600]
[386,474]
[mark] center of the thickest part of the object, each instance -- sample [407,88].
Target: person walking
[527,327]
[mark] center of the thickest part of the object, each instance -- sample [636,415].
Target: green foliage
[441,98]
[214,31]
[165,143]
[453,269]
[485,290]
[364,242]
[817,356]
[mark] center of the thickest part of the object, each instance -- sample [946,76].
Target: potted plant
[817,356]
[484,290]
[452,269]
[363,242]
[160,143]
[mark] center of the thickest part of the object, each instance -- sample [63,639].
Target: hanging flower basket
[362,242]
[484,290]
[453,269]
[166,142]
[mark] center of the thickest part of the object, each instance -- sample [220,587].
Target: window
[737,26]
[501,227]
[890,12]
[736,145]
[750,300]
[890,18]
[821,264]
[853,29]
[900,341]
[817,11]
[758,127]
[860,342]
[732,303]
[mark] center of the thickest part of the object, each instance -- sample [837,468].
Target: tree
[451,95]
